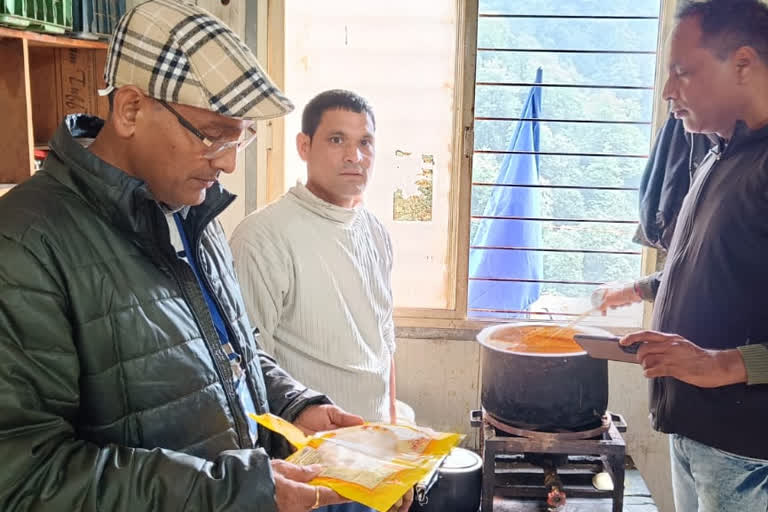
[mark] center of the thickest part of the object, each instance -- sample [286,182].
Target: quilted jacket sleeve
[44,464]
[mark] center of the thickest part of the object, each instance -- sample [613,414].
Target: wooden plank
[276,70]
[99,59]
[44,86]
[37,39]
[231,13]
[461,181]
[427,313]
[78,86]
[660,112]
[65,81]
[256,30]
[15,104]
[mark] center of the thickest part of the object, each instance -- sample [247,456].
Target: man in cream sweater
[315,266]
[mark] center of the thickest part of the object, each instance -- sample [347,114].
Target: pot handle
[422,488]
[619,421]
[476,418]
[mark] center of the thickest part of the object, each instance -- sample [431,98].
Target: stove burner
[605,425]
[552,466]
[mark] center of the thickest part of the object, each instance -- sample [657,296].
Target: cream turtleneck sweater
[316,282]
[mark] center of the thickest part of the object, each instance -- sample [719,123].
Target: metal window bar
[588,121]
[562,50]
[554,219]
[556,250]
[561,187]
[565,16]
[554,153]
[526,312]
[568,86]
[542,281]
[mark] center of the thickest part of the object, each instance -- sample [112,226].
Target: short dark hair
[335,99]
[727,25]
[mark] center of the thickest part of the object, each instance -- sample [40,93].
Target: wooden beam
[276,70]
[16,105]
[99,60]
[37,39]
[44,86]
[461,181]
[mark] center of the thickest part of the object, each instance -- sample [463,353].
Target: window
[450,81]
[563,111]
[401,56]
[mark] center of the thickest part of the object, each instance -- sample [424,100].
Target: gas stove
[551,466]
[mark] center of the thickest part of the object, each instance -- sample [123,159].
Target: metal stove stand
[550,466]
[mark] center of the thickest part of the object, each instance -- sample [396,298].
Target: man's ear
[127,104]
[303,144]
[744,58]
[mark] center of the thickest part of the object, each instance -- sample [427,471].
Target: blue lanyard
[234,358]
[218,321]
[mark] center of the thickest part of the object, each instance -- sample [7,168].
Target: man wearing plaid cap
[127,362]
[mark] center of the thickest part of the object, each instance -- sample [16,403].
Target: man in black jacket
[707,354]
[127,362]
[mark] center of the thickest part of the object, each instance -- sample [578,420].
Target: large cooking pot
[541,391]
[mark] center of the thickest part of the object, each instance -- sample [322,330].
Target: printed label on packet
[363,470]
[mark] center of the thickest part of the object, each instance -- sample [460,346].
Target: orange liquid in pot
[535,339]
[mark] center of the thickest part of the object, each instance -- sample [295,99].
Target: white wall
[440,379]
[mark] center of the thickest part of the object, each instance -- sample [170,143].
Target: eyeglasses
[214,149]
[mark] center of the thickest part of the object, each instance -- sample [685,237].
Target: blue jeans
[346,507]
[705,479]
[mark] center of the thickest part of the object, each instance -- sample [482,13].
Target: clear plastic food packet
[374,464]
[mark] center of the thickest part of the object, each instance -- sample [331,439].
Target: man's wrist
[731,367]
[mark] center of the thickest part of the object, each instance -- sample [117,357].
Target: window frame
[269,180]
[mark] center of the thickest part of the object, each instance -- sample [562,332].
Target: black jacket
[115,393]
[667,175]
[714,291]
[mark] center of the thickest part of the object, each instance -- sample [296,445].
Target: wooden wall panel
[44,83]
[15,105]
[77,93]
[65,81]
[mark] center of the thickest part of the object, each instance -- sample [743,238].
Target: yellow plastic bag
[374,464]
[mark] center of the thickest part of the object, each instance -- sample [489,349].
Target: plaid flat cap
[181,53]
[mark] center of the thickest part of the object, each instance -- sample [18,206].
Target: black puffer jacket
[114,391]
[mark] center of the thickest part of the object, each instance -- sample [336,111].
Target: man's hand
[404,503]
[318,418]
[614,295]
[293,494]
[670,355]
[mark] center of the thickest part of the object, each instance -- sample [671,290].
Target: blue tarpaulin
[526,265]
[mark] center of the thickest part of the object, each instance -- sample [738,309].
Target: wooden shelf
[42,79]
[39,39]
